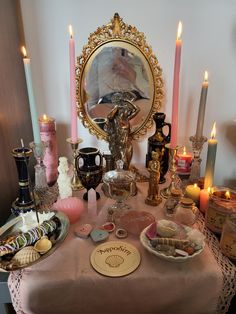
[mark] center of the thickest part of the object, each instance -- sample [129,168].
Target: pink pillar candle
[48,135]
[175,97]
[72,87]
[204,200]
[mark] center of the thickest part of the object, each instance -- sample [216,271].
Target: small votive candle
[193,191]
[184,161]
[222,203]
[228,237]
[48,135]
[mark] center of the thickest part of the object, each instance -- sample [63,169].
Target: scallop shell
[43,245]
[114,260]
[25,256]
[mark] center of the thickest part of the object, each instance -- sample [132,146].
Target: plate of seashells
[172,241]
[26,240]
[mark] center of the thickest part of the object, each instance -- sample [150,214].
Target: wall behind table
[14,108]
[209,42]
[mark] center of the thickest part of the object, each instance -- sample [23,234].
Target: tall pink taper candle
[175,97]
[72,87]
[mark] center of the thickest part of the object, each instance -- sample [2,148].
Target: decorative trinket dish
[171,241]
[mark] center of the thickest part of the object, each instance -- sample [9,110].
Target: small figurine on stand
[153,197]
[64,180]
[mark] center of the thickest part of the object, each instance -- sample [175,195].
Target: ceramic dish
[146,243]
[13,227]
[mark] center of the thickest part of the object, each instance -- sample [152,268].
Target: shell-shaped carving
[25,256]
[43,245]
[114,260]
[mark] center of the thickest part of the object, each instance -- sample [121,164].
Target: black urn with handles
[157,142]
[90,170]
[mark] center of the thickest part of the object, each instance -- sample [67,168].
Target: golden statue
[153,197]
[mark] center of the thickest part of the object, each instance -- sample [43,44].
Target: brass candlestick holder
[166,192]
[197,145]
[75,181]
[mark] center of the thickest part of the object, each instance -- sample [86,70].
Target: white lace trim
[228,269]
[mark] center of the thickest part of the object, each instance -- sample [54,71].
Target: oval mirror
[117,59]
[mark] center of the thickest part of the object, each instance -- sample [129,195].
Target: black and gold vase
[89,172]
[157,142]
[24,202]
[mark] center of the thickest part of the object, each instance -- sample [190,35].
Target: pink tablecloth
[65,282]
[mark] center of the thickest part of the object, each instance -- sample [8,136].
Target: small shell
[25,256]
[169,241]
[43,245]
[114,260]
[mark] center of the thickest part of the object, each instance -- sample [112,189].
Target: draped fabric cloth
[65,282]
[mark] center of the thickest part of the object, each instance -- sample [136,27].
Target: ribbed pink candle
[72,87]
[48,135]
[175,97]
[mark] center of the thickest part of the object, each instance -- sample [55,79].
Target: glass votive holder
[228,237]
[183,161]
[222,203]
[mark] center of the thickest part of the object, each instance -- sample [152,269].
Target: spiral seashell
[25,256]
[114,260]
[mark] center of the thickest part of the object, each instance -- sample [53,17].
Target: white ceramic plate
[146,243]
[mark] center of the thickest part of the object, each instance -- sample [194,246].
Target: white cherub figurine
[64,180]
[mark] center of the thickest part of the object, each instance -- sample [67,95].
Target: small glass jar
[171,202]
[228,237]
[222,203]
[186,212]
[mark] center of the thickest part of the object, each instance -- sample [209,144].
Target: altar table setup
[99,234]
[65,282]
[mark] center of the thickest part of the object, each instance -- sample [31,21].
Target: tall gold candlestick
[75,181]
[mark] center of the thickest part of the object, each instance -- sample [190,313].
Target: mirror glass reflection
[117,67]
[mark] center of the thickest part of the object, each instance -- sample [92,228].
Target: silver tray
[12,227]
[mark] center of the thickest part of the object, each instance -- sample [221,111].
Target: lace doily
[228,269]
[14,281]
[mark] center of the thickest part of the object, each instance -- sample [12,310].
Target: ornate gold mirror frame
[118,35]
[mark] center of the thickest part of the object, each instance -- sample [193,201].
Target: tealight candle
[193,191]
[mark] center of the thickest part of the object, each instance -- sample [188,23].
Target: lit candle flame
[205,76]
[45,117]
[70,31]
[179,31]
[195,185]
[209,190]
[184,151]
[227,195]
[24,51]
[213,131]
